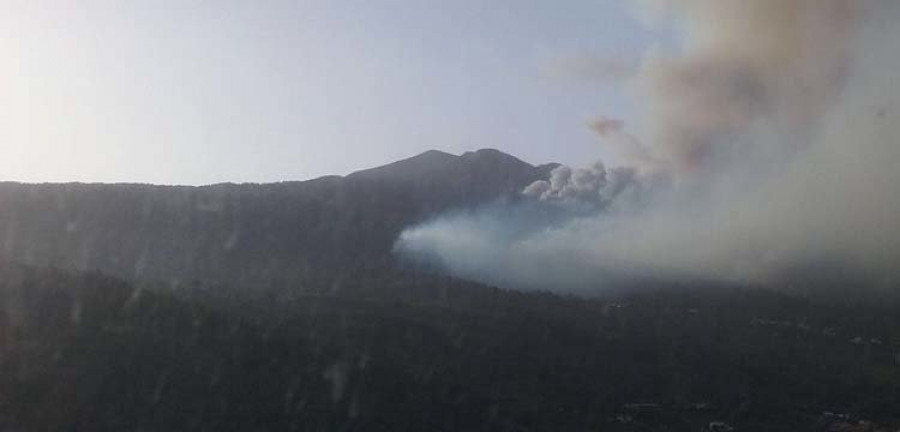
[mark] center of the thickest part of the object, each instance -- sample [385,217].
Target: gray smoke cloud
[769,154]
[592,186]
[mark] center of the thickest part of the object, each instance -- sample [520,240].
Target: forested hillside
[90,352]
[305,235]
[280,307]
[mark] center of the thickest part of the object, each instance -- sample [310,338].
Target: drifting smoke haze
[606,126]
[767,153]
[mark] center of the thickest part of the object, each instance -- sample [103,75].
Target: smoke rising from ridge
[769,148]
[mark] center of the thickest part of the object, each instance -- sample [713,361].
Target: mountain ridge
[428,156]
[301,233]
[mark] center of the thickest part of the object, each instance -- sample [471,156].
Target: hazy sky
[195,92]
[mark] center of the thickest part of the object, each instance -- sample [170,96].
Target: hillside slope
[292,233]
[89,352]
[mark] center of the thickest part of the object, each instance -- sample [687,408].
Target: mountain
[299,319]
[301,234]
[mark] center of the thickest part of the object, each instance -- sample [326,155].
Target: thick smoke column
[777,125]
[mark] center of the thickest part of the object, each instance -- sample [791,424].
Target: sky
[199,92]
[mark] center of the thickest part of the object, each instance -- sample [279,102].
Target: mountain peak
[436,162]
[485,152]
[491,154]
[432,154]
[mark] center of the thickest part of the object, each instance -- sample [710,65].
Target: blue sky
[196,92]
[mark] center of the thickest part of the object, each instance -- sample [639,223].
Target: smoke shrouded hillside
[767,153]
[307,236]
[733,266]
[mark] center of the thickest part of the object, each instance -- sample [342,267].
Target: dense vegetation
[279,307]
[89,352]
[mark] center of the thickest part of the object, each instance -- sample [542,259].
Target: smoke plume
[769,154]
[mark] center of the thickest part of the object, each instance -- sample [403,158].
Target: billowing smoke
[594,186]
[769,154]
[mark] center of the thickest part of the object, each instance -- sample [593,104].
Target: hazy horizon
[200,93]
[401,159]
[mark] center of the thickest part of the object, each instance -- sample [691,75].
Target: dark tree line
[90,352]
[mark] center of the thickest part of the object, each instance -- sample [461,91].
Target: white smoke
[778,122]
[592,185]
